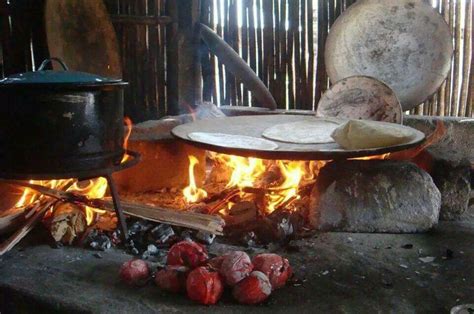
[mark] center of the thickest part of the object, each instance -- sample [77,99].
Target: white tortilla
[310,131]
[363,134]
[232,141]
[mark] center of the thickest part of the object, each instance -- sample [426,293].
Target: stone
[164,164]
[454,183]
[374,196]
[155,129]
[455,145]
[37,279]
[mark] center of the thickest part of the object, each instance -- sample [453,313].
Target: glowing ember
[281,190]
[95,188]
[192,193]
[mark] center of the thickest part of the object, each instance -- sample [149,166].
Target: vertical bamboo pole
[321,75]
[183,66]
[457,57]
[466,80]
[311,68]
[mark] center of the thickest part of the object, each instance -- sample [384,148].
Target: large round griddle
[255,125]
[404,43]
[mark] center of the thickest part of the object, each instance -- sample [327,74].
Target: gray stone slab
[457,143]
[337,272]
[374,196]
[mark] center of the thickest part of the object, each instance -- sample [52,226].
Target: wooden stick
[222,202]
[141,20]
[13,240]
[197,221]
[191,220]
[39,209]
[13,217]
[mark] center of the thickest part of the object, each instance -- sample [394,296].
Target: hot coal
[98,241]
[205,237]
[161,233]
[279,227]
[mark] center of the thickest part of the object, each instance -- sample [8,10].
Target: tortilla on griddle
[310,131]
[363,134]
[232,141]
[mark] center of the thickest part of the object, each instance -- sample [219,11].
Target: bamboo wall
[293,49]
[141,35]
[282,40]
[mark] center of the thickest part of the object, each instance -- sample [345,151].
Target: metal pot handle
[50,60]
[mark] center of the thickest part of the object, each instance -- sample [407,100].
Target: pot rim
[64,86]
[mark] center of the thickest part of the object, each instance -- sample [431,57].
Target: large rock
[454,183]
[375,196]
[455,145]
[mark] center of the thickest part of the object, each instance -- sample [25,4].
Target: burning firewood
[67,222]
[39,210]
[33,216]
[240,213]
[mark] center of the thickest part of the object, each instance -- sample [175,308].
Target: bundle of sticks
[36,211]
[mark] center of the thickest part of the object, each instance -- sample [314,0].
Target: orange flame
[95,188]
[244,170]
[128,122]
[193,194]
[248,172]
[292,172]
[30,196]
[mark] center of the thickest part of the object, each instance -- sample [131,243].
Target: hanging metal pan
[404,43]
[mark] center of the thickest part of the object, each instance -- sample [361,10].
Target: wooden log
[252,43]
[183,65]
[311,68]
[455,106]
[197,221]
[449,17]
[467,83]
[141,20]
[245,46]
[162,99]
[207,74]
[202,222]
[321,75]
[289,48]
[285,62]
[13,240]
[39,209]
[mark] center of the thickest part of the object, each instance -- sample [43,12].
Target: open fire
[243,191]
[279,181]
[94,188]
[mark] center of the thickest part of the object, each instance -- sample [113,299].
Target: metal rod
[117,206]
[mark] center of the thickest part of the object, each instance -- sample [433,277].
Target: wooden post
[184,87]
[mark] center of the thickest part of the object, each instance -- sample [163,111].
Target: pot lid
[57,77]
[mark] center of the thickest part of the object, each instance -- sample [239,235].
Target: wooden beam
[141,20]
[184,87]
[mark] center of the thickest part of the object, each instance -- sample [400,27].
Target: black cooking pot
[56,123]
